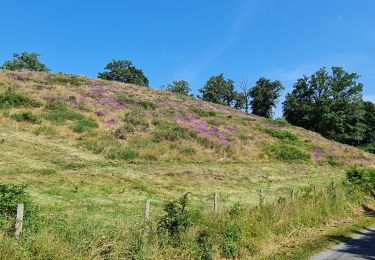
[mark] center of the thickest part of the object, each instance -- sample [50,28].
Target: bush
[137,119]
[362,178]
[369,148]
[287,153]
[147,104]
[59,112]
[10,196]
[66,80]
[202,113]
[83,125]
[172,132]
[281,134]
[26,117]
[176,219]
[231,236]
[205,247]
[13,99]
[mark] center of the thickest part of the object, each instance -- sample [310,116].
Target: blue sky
[193,40]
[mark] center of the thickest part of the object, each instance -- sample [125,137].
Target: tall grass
[185,232]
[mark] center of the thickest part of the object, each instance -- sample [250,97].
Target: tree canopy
[180,87]
[264,96]
[330,104]
[124,71]
[219,90]
[25,61]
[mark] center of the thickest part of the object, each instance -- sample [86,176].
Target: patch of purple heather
[232,129]
[100,113]
[111,121]
[317,155]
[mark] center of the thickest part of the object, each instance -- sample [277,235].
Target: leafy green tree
[264,96]
[219,90]
[180,87]
[124,71]
[369,120]
[25,61]
[330,104]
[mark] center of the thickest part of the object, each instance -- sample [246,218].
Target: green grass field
[91,152]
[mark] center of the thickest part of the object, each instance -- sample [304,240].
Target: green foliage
[181,87]
[328,104]
[64,79]
[264,96]
[204,242]
[362,178]
[172,132]
[137,119]
[59,112]
[83,125]
[231,236]
[47,130]
[147,104]
[176,218]
[369,120]
[25,61]
[124,71]
[10,99]
[10,196]
[282,122]
[369,148]
[287,153]
[26,116]
[203,113]
[281,134]
[218,90]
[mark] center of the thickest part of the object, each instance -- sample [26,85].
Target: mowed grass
[67,179]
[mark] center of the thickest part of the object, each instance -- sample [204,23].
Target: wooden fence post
[19,220]
[147,209]
[216,203]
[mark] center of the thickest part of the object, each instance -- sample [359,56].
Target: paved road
[359,247]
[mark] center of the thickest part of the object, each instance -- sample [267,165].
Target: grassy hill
[95,149]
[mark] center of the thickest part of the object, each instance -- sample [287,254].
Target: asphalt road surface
[359,247]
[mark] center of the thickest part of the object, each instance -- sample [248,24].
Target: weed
[46,130]
[287,153]
[147,104]
[176,218]
[172,132]
[202,113]
[83,125]
[281,134]
[205,250]
[26,116]
[10,99]
[59,112]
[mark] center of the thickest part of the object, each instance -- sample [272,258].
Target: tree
[219,90]
[181,87]
[25,61]
[369,120]
[264,96]
[243,96]
[124,71]
[330,104]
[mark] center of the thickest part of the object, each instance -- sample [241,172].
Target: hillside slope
[86,144]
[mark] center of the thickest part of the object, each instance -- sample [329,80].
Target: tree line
[327,102]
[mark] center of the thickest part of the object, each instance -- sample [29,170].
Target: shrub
[281,134]
[202,113]
[369,148]
[137,119]
[362,178]
[277,121]
[128,154]
[10,196]
[172,132]
[62,79]
[59,112]
[13,99]
[176,218]
[205,247]
[26,117]
[231,236]
[287,153]
[147,104]
[124,131]
[83,125]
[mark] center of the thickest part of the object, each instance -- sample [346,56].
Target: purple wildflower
[111,121]
[100,113]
